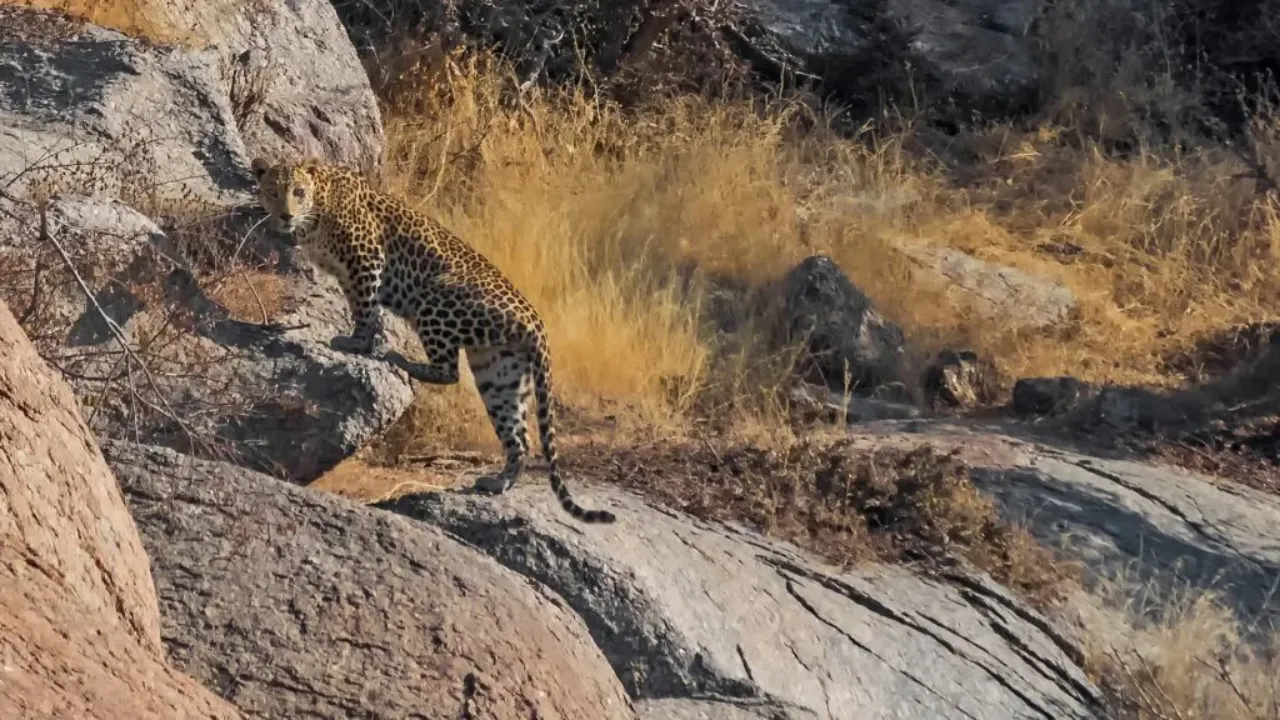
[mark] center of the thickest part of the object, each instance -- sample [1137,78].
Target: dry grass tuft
[190,23]
[253,296]
[357,481]
[1193,663]
[450,417]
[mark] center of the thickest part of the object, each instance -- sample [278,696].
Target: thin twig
[245,239]
[407,487]
[106,387]
[706,443]
[262,307]
[168,410]
[35,291]
[1148,703]
[1226,676]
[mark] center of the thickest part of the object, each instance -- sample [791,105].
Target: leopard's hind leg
[505,382]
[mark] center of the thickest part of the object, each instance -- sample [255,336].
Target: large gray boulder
[976,54]
[1017,299]
[707,620]
[965,56]
[90,110]
[295,77]
[294,603]
[1048,395]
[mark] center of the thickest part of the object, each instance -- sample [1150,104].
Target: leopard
[385,253]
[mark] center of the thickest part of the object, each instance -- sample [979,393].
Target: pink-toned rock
[79,622]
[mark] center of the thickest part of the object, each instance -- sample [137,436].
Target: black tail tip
[602,517]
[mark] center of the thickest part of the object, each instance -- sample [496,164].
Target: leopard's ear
[260,166]
[309,163]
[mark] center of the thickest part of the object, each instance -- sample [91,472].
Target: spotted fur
[383,252]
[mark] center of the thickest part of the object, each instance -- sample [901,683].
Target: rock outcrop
[291,603]
[93,110]
[294,77]
[965,56]
[117,127]
[709,620]
[971,55]
[288,602]
[1155,530]
[959,379]
[79,623]
[1019,300]
[1048,395]
[850,346]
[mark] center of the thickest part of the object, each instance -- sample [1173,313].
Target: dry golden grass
[637,233]
[152,19]
[181,22]
[253,296]
[1193,663]
[359,481]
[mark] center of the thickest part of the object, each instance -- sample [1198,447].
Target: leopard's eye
[299,193]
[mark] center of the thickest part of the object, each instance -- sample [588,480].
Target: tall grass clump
[1194,659]
[627,229]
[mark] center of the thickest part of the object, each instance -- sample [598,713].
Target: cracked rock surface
[705,620]
[121,113]
[1157,530]
[293,603]
[1158,527]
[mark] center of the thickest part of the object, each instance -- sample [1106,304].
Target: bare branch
[166,410]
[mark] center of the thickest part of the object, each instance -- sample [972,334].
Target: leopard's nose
[286,217]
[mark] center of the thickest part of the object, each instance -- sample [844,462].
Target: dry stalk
[165,408]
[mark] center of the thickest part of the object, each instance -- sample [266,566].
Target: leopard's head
[287,191]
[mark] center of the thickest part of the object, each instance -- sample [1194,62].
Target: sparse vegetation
[140,379]
[915,507]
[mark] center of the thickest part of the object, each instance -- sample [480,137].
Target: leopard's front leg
[369,336]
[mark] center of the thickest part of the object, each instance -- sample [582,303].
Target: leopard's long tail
[546,416]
